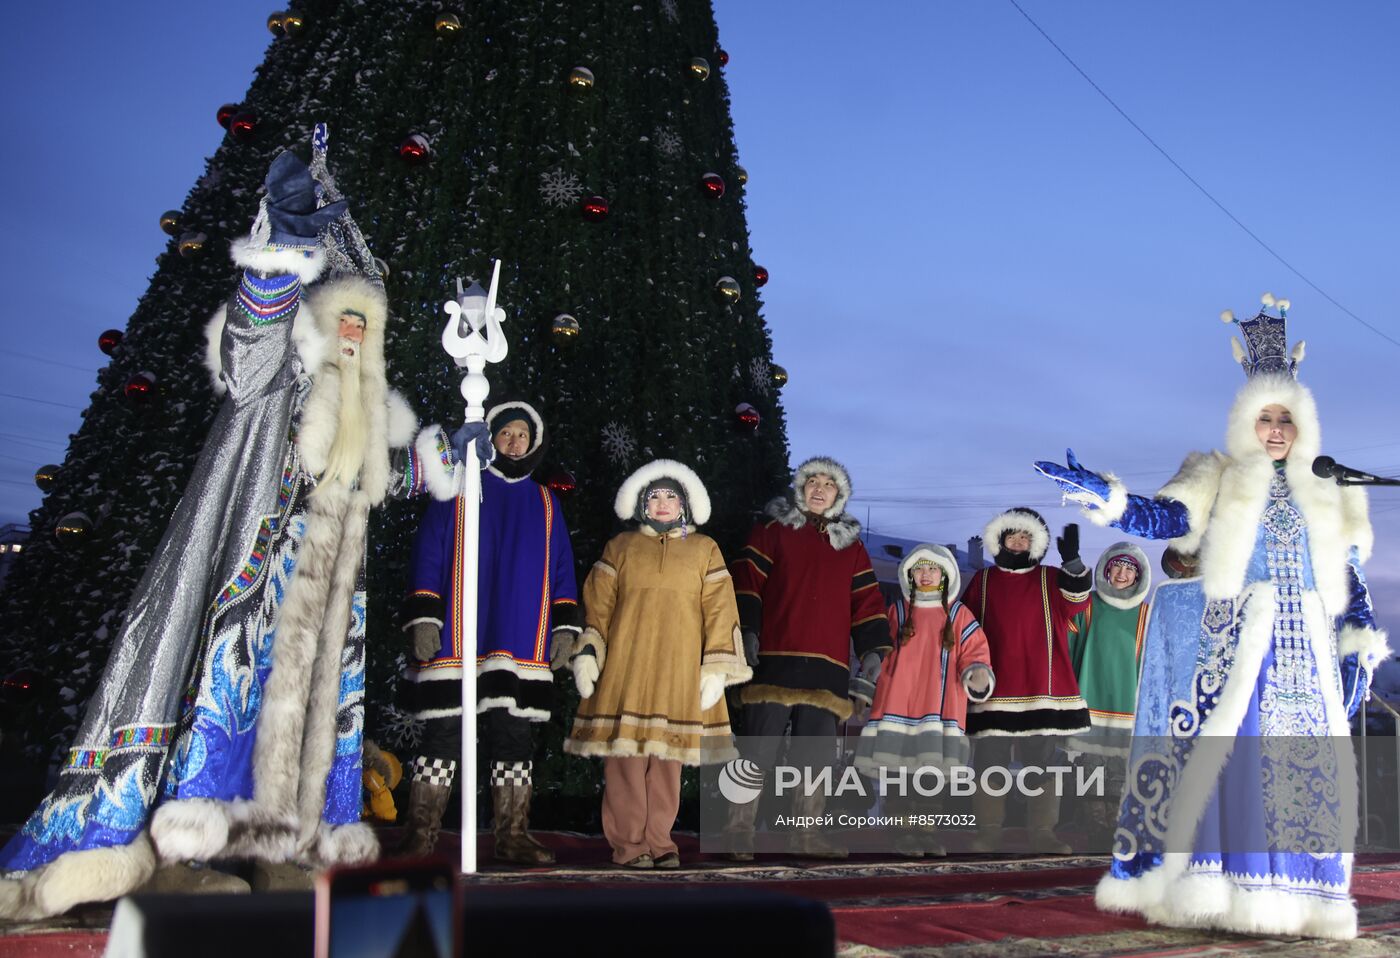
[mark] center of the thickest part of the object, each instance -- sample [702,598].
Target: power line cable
[46,402]
[1194,182]
[51,362]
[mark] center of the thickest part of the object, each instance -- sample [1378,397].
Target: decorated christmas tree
[587,145]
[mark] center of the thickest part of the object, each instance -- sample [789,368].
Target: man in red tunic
[1025,608]
[806,592]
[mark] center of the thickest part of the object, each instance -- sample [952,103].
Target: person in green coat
[1105,646]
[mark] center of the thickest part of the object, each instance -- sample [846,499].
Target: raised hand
[1079,484]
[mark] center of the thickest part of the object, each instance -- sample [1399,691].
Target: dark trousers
[813,731]
[501,736]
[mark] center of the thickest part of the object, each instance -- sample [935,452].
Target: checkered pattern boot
[427,800]
[510,802]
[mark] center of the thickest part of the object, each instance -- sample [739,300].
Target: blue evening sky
[975,260]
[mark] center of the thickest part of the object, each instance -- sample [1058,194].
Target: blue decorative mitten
[294,220]
[1103,497]
[477,433]
[1356,683]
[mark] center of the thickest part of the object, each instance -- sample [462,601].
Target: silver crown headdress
[1266,341]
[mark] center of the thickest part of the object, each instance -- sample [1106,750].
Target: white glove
[979,682]
[711,690]
[585,674]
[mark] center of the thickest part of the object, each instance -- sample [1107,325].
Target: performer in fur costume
[662,642]
[807,593]
[940,662]
[1025,607]
[227,724]
[528,618]
[1242,801]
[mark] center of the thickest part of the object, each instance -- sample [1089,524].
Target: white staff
[472,338]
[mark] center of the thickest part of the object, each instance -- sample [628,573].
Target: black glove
[1068,544]
[292,213]
[751,649]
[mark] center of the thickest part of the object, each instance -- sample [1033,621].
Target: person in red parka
[1025,608]
[807,593]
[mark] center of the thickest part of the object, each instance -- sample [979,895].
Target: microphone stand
[1370,481]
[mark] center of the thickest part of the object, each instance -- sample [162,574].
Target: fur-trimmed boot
[991,813]
[739,830]
[428,793]
[182,878]
[810,842]
[510,802]
[1042,815]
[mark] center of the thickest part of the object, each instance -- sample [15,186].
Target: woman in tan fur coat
[662,642]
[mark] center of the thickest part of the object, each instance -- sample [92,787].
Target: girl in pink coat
[940,662]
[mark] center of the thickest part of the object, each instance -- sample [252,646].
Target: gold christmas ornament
[292,24]
[170,222]
[73,529]
[741,174]
[192,244]
[780,375]
[581,78]
[564,329]
[727,289]
[274,23]
[700,68]
[447,25]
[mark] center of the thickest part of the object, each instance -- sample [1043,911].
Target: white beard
[347,452]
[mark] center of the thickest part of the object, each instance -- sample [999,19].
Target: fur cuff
[76,878]
[1369,645]
[402,420]
[352,844]
[435,458]
[734,670]
[306,266]
[1104,513]
[593,639]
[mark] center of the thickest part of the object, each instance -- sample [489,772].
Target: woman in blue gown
[1240,809]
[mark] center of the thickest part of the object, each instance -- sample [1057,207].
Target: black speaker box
[572,921]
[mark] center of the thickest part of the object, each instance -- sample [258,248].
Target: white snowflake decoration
[668,7]
[668,141]
[618,442]
[761,375]
[559,189]
[400,729]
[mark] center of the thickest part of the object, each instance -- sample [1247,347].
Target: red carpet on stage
[960,906]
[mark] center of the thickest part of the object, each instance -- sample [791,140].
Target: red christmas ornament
[244,125]
[595,209]
[141,387]
[562,481]
[722,57]
[746,417]
[760,275]
[414,150]
[226,114]
[110,340]
[712,184]
[20,686]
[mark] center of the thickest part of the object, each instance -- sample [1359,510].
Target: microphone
[1325,467]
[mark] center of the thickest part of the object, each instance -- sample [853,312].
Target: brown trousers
[641,798]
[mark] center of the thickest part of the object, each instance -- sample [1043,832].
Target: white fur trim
[442,483]
[939,556]
[966,676]
[823,465]
[403,423]
[841,531]
[278,262]
[1106,512]
[213,341]
[351,844]
[1195,486]
[1017,520]
[697,498]
[193,829]
[1140,589]
[1370,645]
[75,878]
[530,411]
[311,344]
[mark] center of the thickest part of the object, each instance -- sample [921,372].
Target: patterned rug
[962,906]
